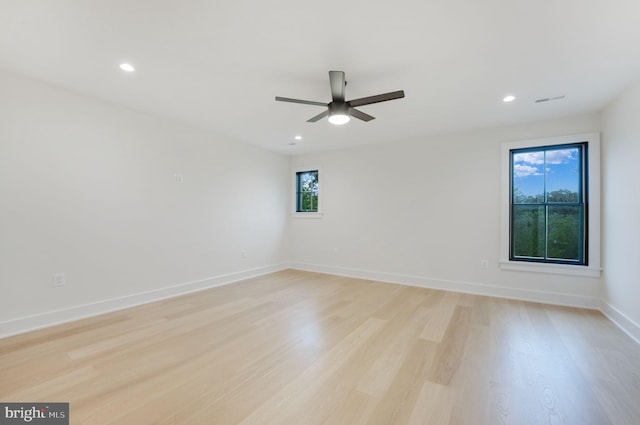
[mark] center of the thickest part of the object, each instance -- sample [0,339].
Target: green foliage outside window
[548,187]
[307,186]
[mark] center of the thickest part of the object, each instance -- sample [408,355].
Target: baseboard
[458,286]
[621,320]
[52,318]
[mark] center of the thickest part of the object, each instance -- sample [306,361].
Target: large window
[307,191]
[548,207]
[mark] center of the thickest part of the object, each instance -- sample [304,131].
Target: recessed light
[127,67]
[298,137]
[509,98]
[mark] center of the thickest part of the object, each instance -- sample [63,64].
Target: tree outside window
[548,204]
[307,185]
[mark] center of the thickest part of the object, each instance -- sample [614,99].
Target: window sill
[563,269]
[306,215]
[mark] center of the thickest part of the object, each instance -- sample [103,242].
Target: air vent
[549,99]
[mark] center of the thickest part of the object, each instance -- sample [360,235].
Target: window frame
[294,203]
[591,265]
[582,203]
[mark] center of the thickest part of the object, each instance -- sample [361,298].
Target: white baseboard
[458,286]
[52,318]
[621,320]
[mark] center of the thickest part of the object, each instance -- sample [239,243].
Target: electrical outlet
[179,178]
[484,264]
[58,280]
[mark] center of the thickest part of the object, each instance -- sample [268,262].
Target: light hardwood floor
[300,348]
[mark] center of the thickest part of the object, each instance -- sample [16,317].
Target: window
[548,207]
[307,191]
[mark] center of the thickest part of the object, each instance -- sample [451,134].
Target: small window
[548,204]
[307,185]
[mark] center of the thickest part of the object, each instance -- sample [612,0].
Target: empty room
[331,213]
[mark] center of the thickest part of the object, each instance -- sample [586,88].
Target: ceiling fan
[340,110]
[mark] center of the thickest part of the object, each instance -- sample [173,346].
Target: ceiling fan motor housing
[338,108]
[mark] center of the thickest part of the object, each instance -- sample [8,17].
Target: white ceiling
[219,64]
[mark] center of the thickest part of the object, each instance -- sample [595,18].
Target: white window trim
[593,268]
[301,214]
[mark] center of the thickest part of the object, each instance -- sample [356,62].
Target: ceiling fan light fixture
[338,113]
[339,119]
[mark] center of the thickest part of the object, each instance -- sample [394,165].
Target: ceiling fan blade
[360,115]
[319,116]
[377,98]
[304,102]
[336,78]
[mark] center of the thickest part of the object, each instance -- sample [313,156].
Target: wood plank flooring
[297,348]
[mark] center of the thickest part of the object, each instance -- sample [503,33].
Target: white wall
[88,188]
[621,153]
[426,212]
